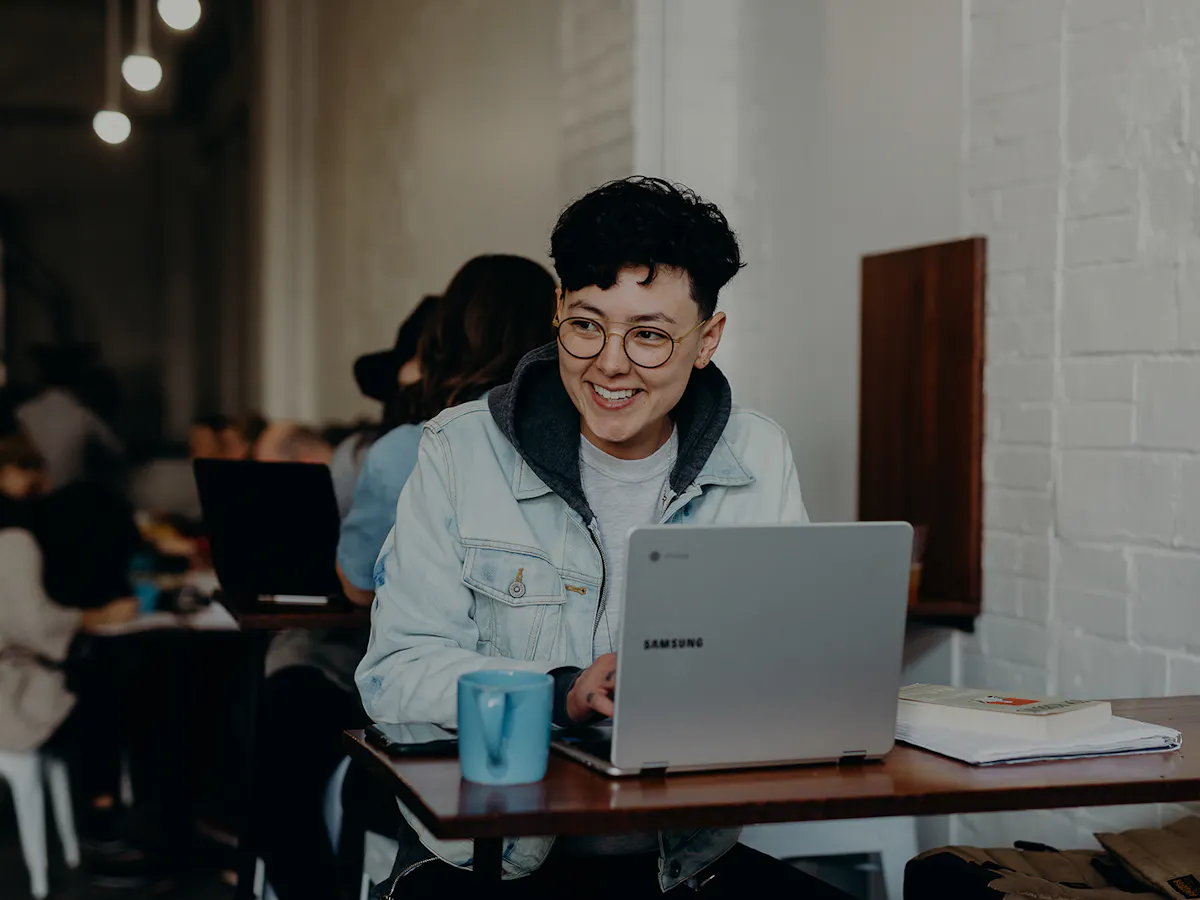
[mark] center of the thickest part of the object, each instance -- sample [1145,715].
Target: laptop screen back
[273,526]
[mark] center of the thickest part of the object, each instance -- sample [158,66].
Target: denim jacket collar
[537,416]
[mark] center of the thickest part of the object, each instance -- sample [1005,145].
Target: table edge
[740,813]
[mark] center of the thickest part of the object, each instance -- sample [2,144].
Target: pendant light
[141,70]
[110,124]
[179,14]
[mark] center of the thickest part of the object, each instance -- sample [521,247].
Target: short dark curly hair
[642,221]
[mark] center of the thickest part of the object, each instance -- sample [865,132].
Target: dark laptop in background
[272,527]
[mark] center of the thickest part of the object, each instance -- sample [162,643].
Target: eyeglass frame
[557,324]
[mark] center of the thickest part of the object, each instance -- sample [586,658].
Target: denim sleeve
[373,512]
[424,633]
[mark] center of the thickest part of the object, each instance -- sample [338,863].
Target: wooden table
[910,782]
[254,614]
[260,619]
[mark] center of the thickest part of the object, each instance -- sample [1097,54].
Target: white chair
[333,803]
[25,773]
[894,839]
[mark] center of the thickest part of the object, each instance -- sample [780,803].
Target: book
[1119,737]
[983,712]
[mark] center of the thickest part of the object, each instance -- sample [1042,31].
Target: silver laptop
[755,646]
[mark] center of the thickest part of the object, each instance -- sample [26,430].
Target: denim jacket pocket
[520,600]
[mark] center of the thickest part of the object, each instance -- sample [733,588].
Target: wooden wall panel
[921,409]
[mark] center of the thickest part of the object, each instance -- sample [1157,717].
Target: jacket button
[675,868]
[517,589]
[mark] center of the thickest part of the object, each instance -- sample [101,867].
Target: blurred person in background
[380,376]
[494,310]
[49,696]
[10,399]
[76,444]
[205,437]
[22,472]
[240,434]
[291,442]
[90,534]
[94,554]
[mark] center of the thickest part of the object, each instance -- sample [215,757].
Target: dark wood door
[921,410]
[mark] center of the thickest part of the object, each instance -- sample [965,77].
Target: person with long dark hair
[493,311]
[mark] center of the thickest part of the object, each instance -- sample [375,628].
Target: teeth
[613,395]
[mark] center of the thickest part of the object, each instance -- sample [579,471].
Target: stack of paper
[1119,736]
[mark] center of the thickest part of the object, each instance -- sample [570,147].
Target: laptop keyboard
[595,742]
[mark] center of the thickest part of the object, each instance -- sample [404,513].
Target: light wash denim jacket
[496,492]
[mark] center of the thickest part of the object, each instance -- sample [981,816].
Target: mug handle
[493,715]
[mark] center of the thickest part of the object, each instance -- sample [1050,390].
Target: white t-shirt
[623,493]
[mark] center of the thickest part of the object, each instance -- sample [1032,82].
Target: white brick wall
[1116,496]
[1083,163]
[1169,404]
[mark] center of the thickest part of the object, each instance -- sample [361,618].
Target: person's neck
[646,443]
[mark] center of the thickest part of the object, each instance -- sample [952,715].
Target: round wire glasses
[646,346]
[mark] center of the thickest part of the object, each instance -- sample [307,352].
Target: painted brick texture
[1083,169]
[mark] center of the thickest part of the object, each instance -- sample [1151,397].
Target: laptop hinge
[654,768]
[852,756]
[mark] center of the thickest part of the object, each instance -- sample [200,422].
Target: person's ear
[710,338]
[558,300]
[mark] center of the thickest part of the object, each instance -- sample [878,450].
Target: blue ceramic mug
[504,726]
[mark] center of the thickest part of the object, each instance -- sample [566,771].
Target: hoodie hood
[536,415]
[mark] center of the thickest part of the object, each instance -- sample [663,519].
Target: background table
[910,782]
[254,614]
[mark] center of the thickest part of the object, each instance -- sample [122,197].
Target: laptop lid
[749,645]
[272,526]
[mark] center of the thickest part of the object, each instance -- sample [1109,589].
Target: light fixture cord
[141,34]
[112,56]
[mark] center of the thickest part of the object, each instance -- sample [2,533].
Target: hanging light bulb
[142,73]
[110,124]
[141,70]
[179,14]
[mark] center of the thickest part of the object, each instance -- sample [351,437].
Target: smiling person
[515,518]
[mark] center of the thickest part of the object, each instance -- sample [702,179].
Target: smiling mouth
[613,399]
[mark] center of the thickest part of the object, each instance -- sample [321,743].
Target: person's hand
[115,612]
[592,692]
